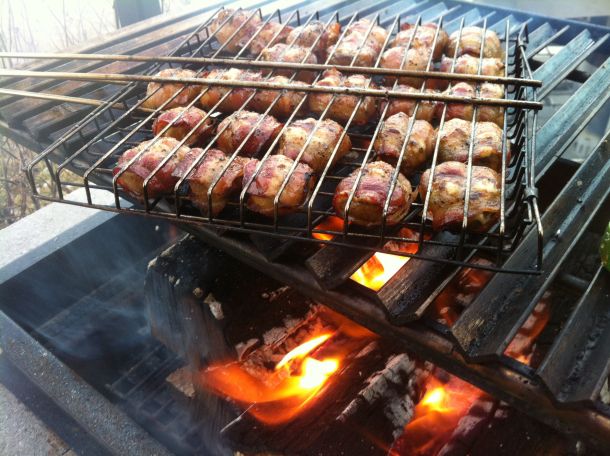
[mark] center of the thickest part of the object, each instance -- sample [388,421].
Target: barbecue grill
[563,389]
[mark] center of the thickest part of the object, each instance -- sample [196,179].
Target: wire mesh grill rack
[111,131]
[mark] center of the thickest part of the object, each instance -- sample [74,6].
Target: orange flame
[436,416]
[330,223]
[381,267]
[274,397]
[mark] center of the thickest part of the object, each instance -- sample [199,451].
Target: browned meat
[426,110]
[488,113]
[288,102]
[181,127]
[485,113]
[416,60]
[318,151]
[357,46]
[291,54]
[158,93]
[264,188]
[271,33]
[369,199]
[238,19]
[237,126]
[446,206]
[343,105]
[211,95]
[391,139]
[423,38]
[132,180]
[466,64]
[470,43]
[306,36]
[454,143]
[206,172]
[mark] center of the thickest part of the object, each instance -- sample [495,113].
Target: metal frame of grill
[518,207]
[555,391]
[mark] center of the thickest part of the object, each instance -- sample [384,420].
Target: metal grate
[97,157]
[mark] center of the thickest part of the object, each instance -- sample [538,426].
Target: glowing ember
[378,270]
[302,350]
[330,223]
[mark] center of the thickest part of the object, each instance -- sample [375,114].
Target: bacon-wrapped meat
[264,188]
[454,143]
[291,54]
[181,127]
[344,105]
[415,60]
[391,138]
[238,20]
[467,64]
[369,198]
[426,110]
[470,43]
[132,180]
[306,36]
[356,45]
[206,172]
[485,113]
[320,147]
[446,206]
[238,125]
[423,38]
[210,95]
[271,33]
[288,102]
[158,93]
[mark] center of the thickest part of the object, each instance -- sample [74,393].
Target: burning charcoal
[448,192]
[369,199]
[391,140]
[158,93]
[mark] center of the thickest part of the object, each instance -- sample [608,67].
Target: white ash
[215,306]
[182,380]
[244,348]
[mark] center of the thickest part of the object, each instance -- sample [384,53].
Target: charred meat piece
[320,147]
[454,143]
[288,102]
[271,33]
[470,43]
[210,95]
[238,21]
[237,126]
[369,198]
[132,180]
[358,45]
[158,93]
[181,127]
[446,206]
[344,105]
[205,174]
[426,110]
[485,113]
[415,60]
[306,36]
[391,139]
[266,185]
[291,54]
[423,38]
[466,64]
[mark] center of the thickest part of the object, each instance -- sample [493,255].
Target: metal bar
[489,323]
[576,367]
[65,99]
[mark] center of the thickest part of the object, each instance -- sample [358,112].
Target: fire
[381,267]
[378,270]
[277,395]
[436,416]
[330,223]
